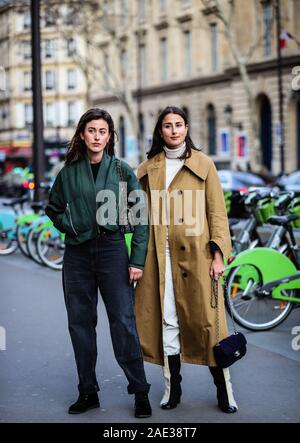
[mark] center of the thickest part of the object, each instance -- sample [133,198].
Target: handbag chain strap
[214,303]
[124,221]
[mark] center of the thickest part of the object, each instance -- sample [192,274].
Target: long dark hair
[77,147]
[157,140]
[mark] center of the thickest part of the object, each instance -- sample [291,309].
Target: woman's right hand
[134,274]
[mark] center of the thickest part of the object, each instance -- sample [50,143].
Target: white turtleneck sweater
[173,163]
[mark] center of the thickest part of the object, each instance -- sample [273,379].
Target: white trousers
[171,341]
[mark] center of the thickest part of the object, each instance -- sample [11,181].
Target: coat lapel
[156,170]
[198,163]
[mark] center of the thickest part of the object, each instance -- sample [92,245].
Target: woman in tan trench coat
[189,239]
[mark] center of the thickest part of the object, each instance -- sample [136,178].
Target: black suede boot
[84,403]
[173,379]
[142,408]
[225,397]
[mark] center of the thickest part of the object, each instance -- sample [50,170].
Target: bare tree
[97,28]
[225,12]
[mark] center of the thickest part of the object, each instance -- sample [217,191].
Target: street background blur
[234,67]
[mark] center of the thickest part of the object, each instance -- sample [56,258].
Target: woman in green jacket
[96,256]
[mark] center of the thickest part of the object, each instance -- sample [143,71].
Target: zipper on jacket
[94,185]
[70,218]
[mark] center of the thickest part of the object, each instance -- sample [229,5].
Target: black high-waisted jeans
[102,263]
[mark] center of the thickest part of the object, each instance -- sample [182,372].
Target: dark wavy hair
[77,146]
[157,140]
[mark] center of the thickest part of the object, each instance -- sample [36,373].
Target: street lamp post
[280,90]
[37,101]
[139,98]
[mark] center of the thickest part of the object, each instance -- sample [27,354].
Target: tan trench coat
[190,259]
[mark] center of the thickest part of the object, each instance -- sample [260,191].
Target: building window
[71,47]
[122,130]
[106,69]
[267,28]
[71,113]
[4,117]
[3,80]
[123,11]
[50,114]
[124,63]
[71,76]
[187,53]
[49,18]
[105,7]
[214,46]
[142,74]
[70,14]
[50,83]
[141,128]
[142,10]
[26,50]
[162,6]
[49,48]
[164,58]
[27,81]
[26,19]
[211,130]
[28,117]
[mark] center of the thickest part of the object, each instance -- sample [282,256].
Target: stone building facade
[176,53]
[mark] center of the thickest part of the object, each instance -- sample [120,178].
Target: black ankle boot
[173,379]
[225,397]
[84,403]
[142,408]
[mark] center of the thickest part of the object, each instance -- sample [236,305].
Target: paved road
[38,377]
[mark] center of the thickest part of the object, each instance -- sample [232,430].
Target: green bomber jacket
[73,207]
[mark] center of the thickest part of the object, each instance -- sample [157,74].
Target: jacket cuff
[214,247]
[131,265]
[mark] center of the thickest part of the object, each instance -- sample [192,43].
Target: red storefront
[17,154]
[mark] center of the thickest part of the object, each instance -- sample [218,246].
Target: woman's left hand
[217,268]
[134,274]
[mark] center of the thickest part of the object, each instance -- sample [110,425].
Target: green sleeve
[56,205]
[140,236]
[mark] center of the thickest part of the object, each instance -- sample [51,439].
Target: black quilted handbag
[232,348]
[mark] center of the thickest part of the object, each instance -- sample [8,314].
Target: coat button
[182,248]
[184,274]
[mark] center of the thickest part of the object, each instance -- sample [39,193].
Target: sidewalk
[38,376]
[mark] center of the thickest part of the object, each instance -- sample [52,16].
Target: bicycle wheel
[250,310]
[31,244]
[50,248]
[8,245]
[22,233]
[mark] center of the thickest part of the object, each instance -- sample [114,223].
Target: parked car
[290,182]
[239,181]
